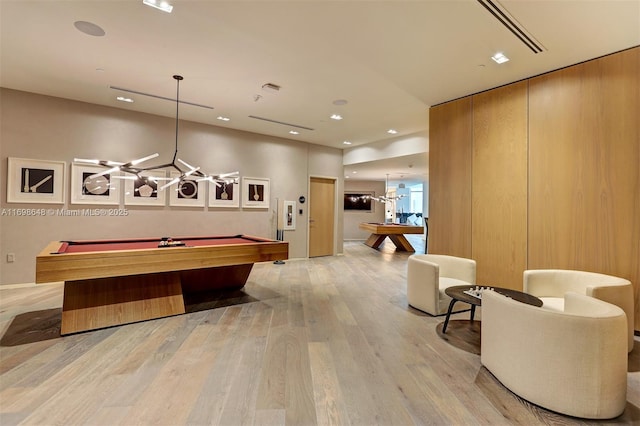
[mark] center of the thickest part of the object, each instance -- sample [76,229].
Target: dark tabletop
[457,292]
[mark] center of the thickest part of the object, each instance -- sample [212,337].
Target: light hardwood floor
[324,341]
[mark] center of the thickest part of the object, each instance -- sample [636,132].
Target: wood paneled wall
[584,180]
[499,194]
[450,178]
[580,161]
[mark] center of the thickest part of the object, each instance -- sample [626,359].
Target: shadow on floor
[520,411]
[463,334]
[32,327]
[38,326]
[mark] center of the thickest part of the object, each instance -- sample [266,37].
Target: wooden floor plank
[322,341]
[329,401]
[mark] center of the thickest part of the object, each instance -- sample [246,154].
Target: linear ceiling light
[160,5]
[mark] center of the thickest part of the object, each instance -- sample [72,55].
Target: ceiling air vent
[512,25]
[280,122]
[270,87]
[122,89]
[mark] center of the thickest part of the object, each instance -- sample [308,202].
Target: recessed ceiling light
[158,4]
[336,117]
[340,102]
[392,131]
[89,28]
[123,99]
[500,58]
[346,177]
[223,118]
[346,143]
[293,132]
[354,172]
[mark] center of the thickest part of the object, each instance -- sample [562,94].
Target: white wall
[416,143]
[41,127]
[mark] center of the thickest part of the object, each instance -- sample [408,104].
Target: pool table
[395,232]
[114,282]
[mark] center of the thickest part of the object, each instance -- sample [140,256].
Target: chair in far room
[550,285]
[428,275]
[573,362]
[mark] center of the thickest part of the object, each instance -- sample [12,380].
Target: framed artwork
[86,189]
[35,181]
[358,201]
[225,195]
[144,192]
[289,215]
[187,193]
[255,193]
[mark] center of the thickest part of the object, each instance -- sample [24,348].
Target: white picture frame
[225,195]
[289,215]
[188,192]
[146,192]
[103,189]
[35,181]
[255,193]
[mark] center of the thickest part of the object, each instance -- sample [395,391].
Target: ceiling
[389,60]
[408,169]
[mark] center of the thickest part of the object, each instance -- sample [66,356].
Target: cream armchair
[572,362]
[428,275]
[550,285]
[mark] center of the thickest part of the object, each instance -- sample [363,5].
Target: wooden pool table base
[400,241]
[395,232]
[104,302]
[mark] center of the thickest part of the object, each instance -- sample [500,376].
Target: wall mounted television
[358,201]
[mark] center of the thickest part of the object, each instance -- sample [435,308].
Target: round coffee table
[457,294]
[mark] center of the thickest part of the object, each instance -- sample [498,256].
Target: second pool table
[395,232]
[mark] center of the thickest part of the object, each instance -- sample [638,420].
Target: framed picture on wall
[35,181]
[144,192]
[187,193]
[358,201]
[86,188]
[255,193]
[224,194]
[289,215]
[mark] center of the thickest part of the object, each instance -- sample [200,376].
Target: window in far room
[409,208]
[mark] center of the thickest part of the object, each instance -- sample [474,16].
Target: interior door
[321,216]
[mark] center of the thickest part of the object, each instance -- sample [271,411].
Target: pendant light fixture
[185,169]
[386,198]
